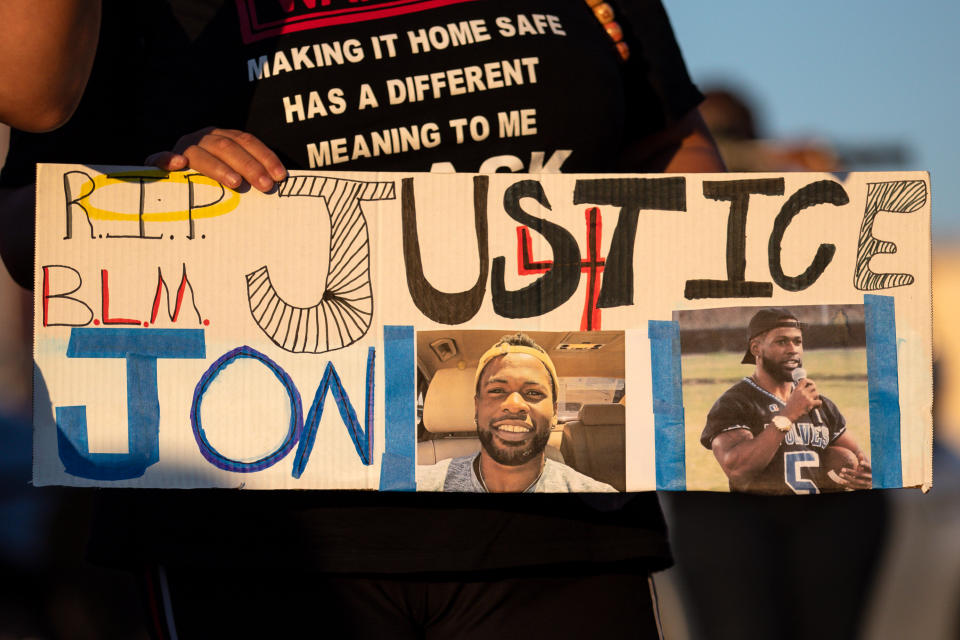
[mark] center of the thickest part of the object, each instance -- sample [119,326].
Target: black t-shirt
[795,467]
[527,85]
[380,85]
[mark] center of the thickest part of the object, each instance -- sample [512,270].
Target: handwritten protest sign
[188,335]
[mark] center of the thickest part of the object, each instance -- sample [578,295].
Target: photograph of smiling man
[515,407]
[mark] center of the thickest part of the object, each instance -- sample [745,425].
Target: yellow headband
[504,348]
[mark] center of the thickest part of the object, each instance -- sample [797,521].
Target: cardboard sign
[328,335]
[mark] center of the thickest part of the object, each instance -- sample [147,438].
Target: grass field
[840,374]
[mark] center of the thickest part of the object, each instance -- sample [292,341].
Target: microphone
[799,374]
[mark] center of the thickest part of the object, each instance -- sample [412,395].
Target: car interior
[590,434]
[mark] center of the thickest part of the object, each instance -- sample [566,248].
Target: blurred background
[815,86]
[853,86]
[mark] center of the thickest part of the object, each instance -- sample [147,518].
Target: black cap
[764,320]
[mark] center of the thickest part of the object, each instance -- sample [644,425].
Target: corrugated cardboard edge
[928,438]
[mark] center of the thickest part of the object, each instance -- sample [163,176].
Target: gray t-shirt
[457,474]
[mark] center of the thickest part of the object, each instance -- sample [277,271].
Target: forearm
[847,441]
[685,147]
[47,48]
[695,156]
[747,458]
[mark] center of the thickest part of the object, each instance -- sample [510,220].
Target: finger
[263,159]
[261,152]
[857,476]
[211,166]
[854,481]
[837,479]
[167,160]
[235,157]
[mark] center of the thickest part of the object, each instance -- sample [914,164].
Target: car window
[576,392]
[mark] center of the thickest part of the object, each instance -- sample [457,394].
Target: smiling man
[515,408]
[773,432]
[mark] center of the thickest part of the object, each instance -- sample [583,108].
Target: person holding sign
[773,432]
[516,408]
[530,86]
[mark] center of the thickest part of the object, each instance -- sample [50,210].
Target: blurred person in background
[788,567]
[915,561]
[732,122]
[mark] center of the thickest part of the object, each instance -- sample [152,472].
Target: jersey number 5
[793,463]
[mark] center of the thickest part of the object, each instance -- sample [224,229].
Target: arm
[742,456]
[684,147]
[231,157]
[47,48]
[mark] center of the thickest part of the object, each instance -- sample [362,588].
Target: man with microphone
[772,432]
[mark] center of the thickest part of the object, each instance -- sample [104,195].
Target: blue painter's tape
[117,343]
[884,391]
[396,473]
[397,465]
[141,352]
[143,432]
[667,405]
[77,460]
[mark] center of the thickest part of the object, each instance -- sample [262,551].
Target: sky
[853,73]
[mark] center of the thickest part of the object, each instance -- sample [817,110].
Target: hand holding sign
[228,156]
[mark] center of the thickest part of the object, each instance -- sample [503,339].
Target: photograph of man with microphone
[773,432]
